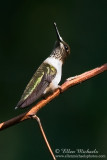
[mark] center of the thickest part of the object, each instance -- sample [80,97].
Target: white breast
[58,65]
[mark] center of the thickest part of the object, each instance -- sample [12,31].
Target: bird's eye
[66,47]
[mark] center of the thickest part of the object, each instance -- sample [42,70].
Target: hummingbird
[48,75]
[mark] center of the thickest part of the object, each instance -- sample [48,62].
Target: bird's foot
[60,89]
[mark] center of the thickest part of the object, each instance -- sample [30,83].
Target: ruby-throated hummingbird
[48,75]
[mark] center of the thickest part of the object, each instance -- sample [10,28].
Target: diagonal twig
[67,84]
[44,136]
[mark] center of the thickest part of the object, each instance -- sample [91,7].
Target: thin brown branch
[44,136]
[80,78]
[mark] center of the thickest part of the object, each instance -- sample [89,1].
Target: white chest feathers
[58,65]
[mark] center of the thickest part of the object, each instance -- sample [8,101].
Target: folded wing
[37,85]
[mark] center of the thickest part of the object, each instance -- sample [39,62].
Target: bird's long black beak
[57,33]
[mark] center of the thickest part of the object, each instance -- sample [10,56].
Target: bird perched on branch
[48,75]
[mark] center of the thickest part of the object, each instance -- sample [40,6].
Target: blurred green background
[78,117]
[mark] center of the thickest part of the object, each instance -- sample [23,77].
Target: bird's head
[61,49]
